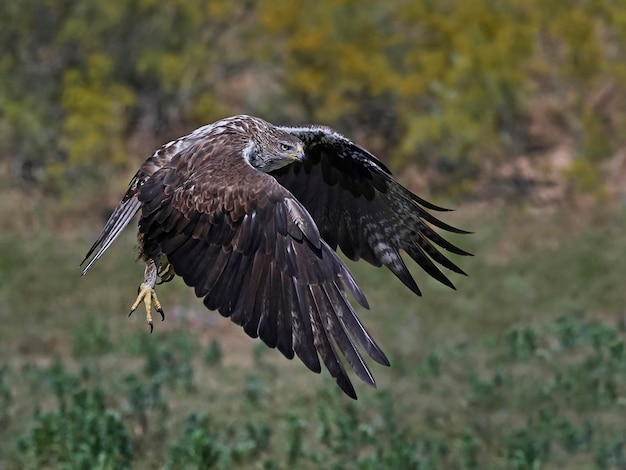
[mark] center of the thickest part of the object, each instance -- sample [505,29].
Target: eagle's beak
[300,152]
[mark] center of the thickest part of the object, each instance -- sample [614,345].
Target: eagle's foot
[166,271]
[147,295]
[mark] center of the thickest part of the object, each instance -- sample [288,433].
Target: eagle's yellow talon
[157,305]
[148,296]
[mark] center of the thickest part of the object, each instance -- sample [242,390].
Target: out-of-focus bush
[90,87]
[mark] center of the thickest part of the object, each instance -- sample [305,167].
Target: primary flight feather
[250,214]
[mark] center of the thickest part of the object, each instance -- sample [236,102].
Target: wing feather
[268,324]
[437,256]
[343,340]
[354,325]
[244,309]
[259,310]
[284,339]
[303,340]
[210,282]
[324,346]
[120,218]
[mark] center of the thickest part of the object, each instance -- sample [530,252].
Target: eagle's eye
[285,147]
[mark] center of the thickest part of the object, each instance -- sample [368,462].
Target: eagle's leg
[147,294]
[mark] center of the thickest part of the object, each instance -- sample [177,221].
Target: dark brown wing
[129,205]
[253,253]
[358,206]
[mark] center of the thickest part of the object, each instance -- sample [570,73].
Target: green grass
[523,367]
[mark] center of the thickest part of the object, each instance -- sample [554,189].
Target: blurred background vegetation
[446,85]
[511,111]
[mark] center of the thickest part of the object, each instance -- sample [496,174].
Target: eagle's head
[270,148]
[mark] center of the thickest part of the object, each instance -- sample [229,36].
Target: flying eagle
[250,214]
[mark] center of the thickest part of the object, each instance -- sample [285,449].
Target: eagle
[250,215]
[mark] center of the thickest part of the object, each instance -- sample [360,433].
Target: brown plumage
[250,216]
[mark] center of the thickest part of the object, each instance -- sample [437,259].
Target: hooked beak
[299,155]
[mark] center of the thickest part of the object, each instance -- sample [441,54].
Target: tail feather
[120,218]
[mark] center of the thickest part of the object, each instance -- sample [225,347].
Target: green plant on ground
[81,433]
[522,367]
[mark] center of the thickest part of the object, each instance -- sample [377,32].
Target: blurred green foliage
[524,367]
[83,432]
[85,85]
[558,403]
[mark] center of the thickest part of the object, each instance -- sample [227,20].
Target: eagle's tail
[120,218]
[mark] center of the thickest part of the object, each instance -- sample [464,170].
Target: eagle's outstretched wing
[358,206]
[253,253]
